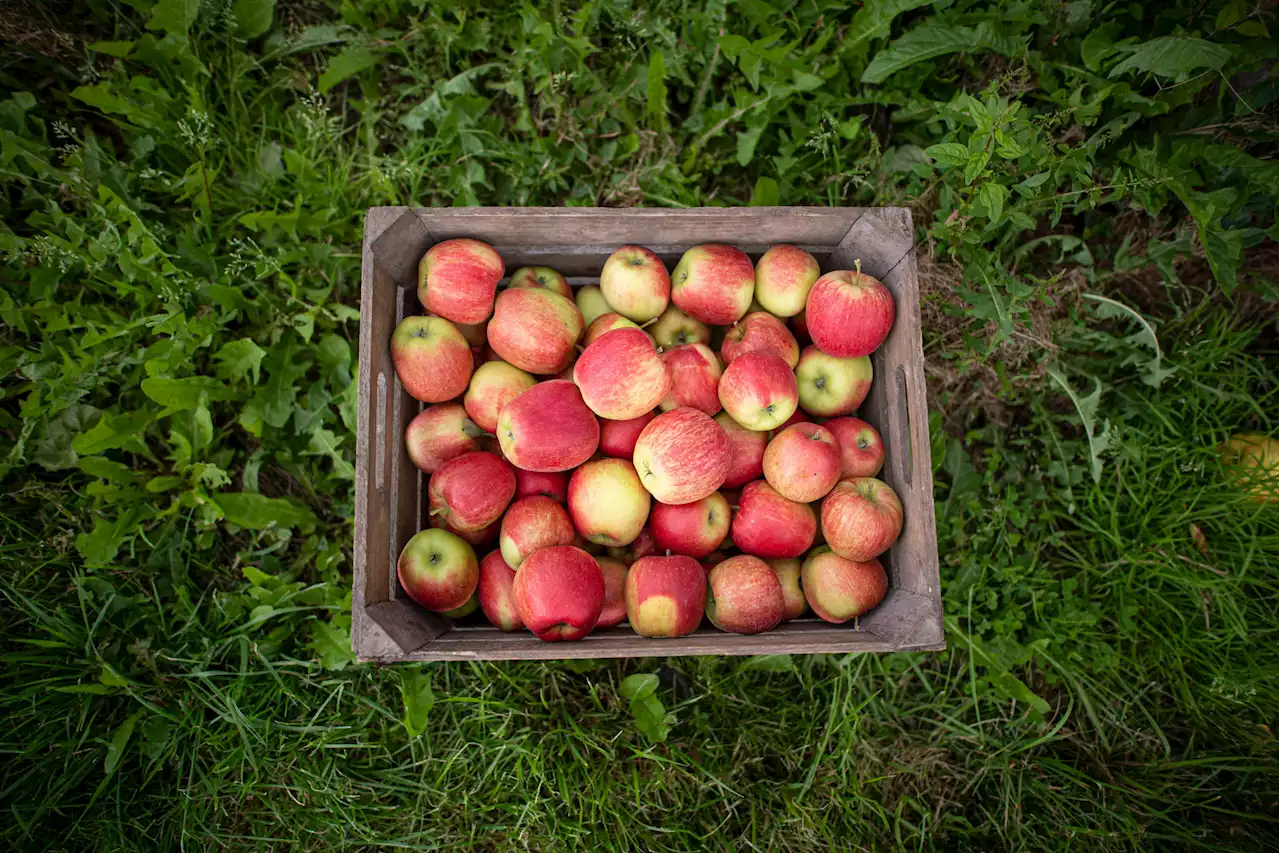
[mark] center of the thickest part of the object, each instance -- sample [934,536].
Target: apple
[760,332]
[759,391]
[831,386]
[621,375]
[676,328]
[618,438]
[439,433]
[471,491]
[635,283]
[839,589]
[682,456]
[849,313]
[475,334]
[800,328]
[644,545]
[552,484]
[693,529]
[608,504]
[770,526]
[695,376]
[802,463]
[746,451]
[548,428]
[468,607]
[712,560]
[665,596]
[457,280]
[438,570]
[494,592]
[615,594]
[532,523]
[493,385]
[744,596]
[544,277]
[788,574]
[559,593]
[591,303]
[713,283]
[605,323]
[861,518]
[431,358]
[477,537]
[1252,462]
[861,448]
[799,416]
[784,275]
[535,329]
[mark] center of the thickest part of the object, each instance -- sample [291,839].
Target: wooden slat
[587,260]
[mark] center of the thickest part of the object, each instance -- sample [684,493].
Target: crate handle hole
[902,440]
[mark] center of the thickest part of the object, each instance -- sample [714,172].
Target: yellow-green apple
[831,386]
[532,523]
[768,525]
[861,448]
[788,573]
[695,376]
[439,433]
[457,280]
[644,545]
[468,607]
[494,592]
[559,593]
[471,491]
[746,451]
[544,277]
[713,283]
[861,518]
[591,303]
[676,328]
[618,438]
[839,589]
[535,329]
[475,334]
[759,391]
[608,504]
[621,375]
[438,570]
[802,462]
[682,456]
[784,275]
[493,385]
[552,484]
[665,596]
[635,283]
[431,358]
[760,332]
[744,596]
[615,595]
[849,313]
[605,323]
[548,428]
[694,529]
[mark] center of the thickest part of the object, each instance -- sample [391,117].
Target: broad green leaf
[656,91]
[765,193]
[1174,57]
[331,641]
[770,663]
[873,20]
[238,359]
[119,49]
[55,446]
[638,686]
[933,39]
[120,740]
[415,691]
[185,393]
[174,16]
[111,678]
[100,545]
[652,718]
[977,162]
[991,198]
[156,732]
[252,17]
[1224,250]
[949,153]
[258,512]
[106,469]
[350,61]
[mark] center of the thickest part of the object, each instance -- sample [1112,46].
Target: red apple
[676,328]
[608,504]
[431,358]
[477,336]
[535,329]
[861,518]
[591,303]
[621,375]
[471,491]
[695,376]
[712,560]
[802,462]
[800,328]
[635,283]
[548,428]
[770,526]
[439,433]
[493,385]
[760,332]
[838,589]
[788,573]
[494,592]
[605,323]
[861,448]
[618,438]
[438,570]
[532,523]
[759,391]
[615,596]
[849,313]
[665,596]
[457,280]
[746,451]
[553,484]
[713,283]
[644,545]
[478,537]
[694,529]
[744,596]
[682,456]
[831,386]
[559,593]
[784,275]
[544,277]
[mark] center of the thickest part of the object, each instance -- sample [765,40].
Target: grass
[174,554]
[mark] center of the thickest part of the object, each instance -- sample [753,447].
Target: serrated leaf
[55,447]
[258,512]
[1005,682]
[1153,372]
[656,91]
[1174,57]
[418,698]
[174,16]
[638,686]
[185,393]
[1224,250]
[252,17]
[119,741]
[331,641]
[238,359]
[349,62]
[933,39]
[1087,408]
[100,545]
[949,153]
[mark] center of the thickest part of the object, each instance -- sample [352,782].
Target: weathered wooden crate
[391,494]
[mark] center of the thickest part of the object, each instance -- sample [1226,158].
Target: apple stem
[857,265]
[440,510]
[733,507]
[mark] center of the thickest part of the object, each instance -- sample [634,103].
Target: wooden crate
[391,494]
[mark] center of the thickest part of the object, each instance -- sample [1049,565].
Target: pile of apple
[614,463]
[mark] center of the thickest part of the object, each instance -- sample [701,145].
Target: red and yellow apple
[615,595]
[608,504]
[621,375]
[861,518]
[635,283]
[768,525]
[439,433]
[849,313]
[784,275]
[471,491]
[431,358]
[802,463]
[693,529]
[457,280]
[438,570]
[552,484]
[839,589]
[644,545]
[759,391]
[746,451]
[532,523]
[665,596]
[535,329]
[695,376]
[544,277]
[861,448]
[676,328]
[618,438]
[605,323]
[744,596]
[495,594]
[559,593]
[713,283]
[548,428]
[788,573]
[760,332]
[682,456]
[831,386]
[493,385]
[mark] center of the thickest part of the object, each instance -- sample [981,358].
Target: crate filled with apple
[596,433]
